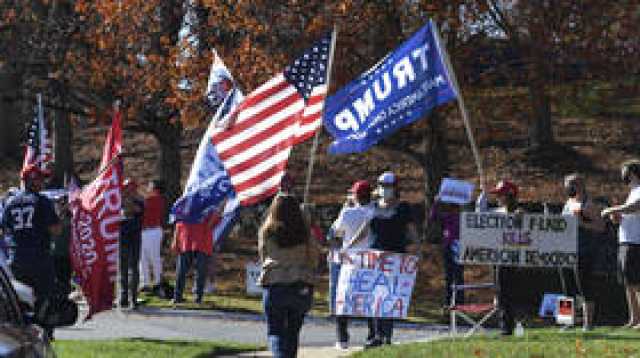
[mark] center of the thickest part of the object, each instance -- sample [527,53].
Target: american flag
[281,113]
[38,151]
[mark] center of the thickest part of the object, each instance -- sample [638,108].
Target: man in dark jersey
[31,219]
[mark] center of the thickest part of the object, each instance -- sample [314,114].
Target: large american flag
[38,151]
[281,113]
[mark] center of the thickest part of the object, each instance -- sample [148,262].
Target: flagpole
[316,138]
[461,105]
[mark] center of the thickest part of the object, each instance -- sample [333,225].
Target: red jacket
[154,211]
[195,237]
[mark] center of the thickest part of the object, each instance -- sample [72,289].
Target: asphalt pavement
[317,336]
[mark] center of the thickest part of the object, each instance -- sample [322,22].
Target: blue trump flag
[208,187]
[402,88]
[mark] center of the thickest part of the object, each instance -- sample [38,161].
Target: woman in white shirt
[628,215]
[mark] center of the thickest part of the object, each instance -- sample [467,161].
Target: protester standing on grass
[194,244]
[392,230]
[152,221]
[130,241]
[289,257]
[628,216]
[349,231]
[591,229]
[448,216]
[506,277]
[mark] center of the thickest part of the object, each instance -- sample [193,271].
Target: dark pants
[62,266]
[39,274]
[506,279]
[183,265]
[453,275]
[285,307]
[129,270]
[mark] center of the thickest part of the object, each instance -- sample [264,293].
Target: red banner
[96,226]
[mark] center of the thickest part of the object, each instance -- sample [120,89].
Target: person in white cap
[391,229]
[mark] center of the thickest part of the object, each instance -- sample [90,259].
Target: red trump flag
[96,210]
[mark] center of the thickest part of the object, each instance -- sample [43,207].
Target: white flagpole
[316,138]
[461,105]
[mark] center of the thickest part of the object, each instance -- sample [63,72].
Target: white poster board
[531,240]
[455,191]
[375,284]
[253,273]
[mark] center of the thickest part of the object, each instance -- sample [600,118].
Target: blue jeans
[285,307]
[185,260]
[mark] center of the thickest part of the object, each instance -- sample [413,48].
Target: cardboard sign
[455,191]
[251,279]
[375,284]
[530,240]
[566,311]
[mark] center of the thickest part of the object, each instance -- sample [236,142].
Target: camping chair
[484,310]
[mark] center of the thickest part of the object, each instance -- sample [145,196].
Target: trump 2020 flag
[399,90]
[208,185]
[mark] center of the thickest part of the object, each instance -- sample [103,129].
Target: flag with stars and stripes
[255,144]
[399,90]
[208,190]
[38,151]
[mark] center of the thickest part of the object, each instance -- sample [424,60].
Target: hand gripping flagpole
[461,105]
[316,138]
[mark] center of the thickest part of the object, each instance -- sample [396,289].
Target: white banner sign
[455,191]
[251,279]
[532,240]
[375,284]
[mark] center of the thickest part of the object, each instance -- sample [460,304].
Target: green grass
[537,343]
[139,347]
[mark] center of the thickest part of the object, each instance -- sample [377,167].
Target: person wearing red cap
[506,193]
[349,231]
[30,218]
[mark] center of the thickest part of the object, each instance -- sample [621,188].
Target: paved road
[211,325]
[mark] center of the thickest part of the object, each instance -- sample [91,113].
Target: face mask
[386,192]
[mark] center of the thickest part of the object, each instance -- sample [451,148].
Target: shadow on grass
[215,352]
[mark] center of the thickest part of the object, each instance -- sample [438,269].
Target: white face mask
[386,192]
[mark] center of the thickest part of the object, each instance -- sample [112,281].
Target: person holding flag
[30,218]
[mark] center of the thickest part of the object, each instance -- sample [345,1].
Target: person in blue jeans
[288,258]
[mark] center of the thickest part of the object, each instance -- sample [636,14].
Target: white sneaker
[342,346]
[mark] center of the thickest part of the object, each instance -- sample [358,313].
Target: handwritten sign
[251,279]
[455,191]
[375,284]
[530,240]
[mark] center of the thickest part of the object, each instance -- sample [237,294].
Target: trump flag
[401,89]
[208,186]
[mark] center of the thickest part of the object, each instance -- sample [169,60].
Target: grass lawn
[537,343]
[140,347]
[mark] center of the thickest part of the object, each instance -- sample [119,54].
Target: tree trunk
[436,161]
[540,127]
[10,124]
[63,154]
[169,166]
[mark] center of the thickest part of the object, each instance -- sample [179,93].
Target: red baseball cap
[360,188]
[505,187]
